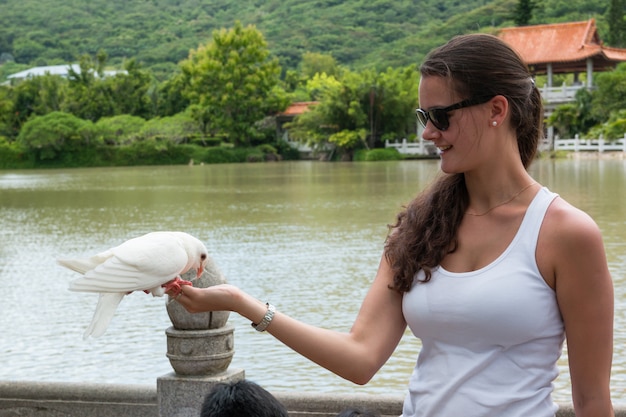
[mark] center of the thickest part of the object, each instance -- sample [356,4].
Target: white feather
[143,263]
[105,310]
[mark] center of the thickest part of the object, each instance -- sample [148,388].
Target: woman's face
[460,143]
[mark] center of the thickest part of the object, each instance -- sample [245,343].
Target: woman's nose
[430,132]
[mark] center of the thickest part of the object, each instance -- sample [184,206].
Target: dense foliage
[357,33]
[203,81]
[358,110]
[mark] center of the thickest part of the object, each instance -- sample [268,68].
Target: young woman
[488,268]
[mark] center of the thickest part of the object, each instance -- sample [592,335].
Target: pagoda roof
[295,109]
[566,46]
[298,108]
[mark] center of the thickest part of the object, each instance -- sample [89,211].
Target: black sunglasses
[439,115]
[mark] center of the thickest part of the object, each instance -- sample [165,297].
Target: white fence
[413,148]
[576,144]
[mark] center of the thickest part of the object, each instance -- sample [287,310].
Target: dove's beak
[200,271]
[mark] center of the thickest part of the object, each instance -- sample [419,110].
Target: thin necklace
[504,202]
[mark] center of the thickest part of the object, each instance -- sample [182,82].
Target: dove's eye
[203,256]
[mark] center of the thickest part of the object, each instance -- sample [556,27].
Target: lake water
[306,236]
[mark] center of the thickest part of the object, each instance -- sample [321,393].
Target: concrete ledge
[40,399]
[328,405]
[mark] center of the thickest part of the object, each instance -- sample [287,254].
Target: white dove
[152,263]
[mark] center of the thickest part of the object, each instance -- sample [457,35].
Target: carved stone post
[200,348]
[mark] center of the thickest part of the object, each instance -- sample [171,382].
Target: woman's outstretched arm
[356,355]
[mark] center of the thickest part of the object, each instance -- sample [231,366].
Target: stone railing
[561,94]
[38,399]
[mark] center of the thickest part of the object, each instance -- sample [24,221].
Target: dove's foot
[174,287]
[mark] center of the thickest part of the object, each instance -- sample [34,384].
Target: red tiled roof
[614,54]
[565,45]
[298,108]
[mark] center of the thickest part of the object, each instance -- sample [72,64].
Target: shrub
[206,141]
[179,128]
[378,154]
[223,154]
[152,152]
[242,154]
[12,155]
[267,153]
[255,157]
[119,130]
[612,129]
[286,151]
[48,136]
[220,155]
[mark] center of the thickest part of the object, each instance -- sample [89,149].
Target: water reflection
[306,236]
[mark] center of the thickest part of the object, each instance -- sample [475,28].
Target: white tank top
[490,338]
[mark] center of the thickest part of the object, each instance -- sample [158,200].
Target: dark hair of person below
[357,412]
[241,399]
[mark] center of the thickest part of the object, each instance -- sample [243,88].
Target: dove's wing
[137,264]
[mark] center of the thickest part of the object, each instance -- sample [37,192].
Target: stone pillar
[200,347]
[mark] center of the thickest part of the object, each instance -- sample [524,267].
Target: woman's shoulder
[565,221]
[570,244]
[570,235]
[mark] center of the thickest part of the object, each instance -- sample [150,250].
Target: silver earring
[494,123]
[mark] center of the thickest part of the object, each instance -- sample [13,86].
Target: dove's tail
[107,304]
[83,265]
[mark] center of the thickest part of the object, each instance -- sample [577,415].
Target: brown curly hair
[477,65]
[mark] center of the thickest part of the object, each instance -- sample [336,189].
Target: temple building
[563,48]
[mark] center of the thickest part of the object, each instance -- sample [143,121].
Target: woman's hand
[221,297]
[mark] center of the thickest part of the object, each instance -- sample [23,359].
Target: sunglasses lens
[422,117]
[439,118]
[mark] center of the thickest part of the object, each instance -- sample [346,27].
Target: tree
[610,94]
[26,50]
[574,118]
[359,108]
[34,96]
[391,103]
[6,107]
[92,93]
[234,79]
[88,97]
[130,91]
[340,117]
[171,99]
[524,12]
[617,26]
[564,120]
[316,63]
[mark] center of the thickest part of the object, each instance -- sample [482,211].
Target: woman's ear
[499,110]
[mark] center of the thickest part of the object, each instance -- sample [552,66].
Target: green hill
[160,33]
